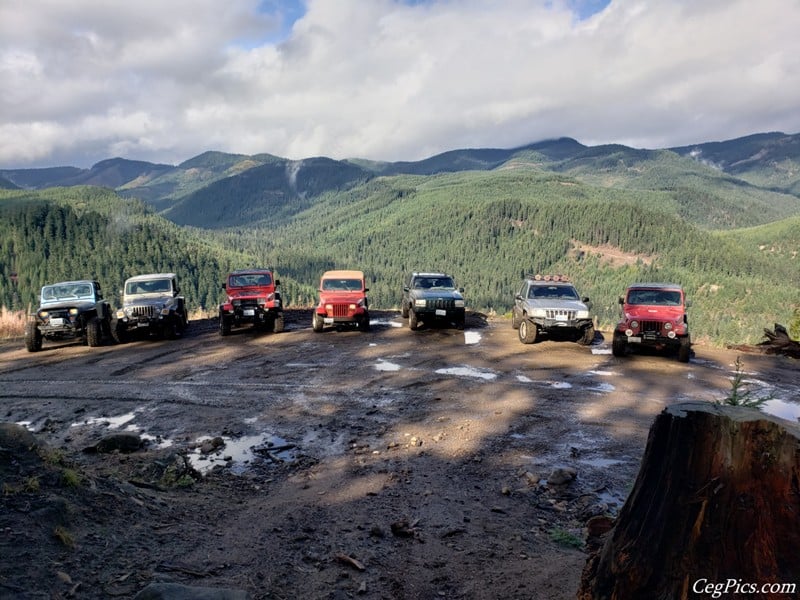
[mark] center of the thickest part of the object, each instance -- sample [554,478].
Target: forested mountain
[720,185]
[765,159]
[606,215]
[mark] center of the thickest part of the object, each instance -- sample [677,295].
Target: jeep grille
[650,326]
[143,311]
[444,303]
[340,310]
[554,313]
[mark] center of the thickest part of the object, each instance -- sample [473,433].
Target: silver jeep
[151,304]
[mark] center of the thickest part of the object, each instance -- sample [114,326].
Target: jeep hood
[549,303]
[147,300]
[81,305]
[440,293]
[654,313]
[341,297]
[249,292]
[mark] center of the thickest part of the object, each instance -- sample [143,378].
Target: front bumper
[250,314]
[562,324]
[60,331]
[652,339]
[144,322]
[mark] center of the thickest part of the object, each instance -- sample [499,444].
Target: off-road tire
[317,323]
[363,323]
[685,350]
[33,337]
[94,332]
[224,325]
[413,321]
[279,324]
[119,333]
[174,328]
[528,331]
[514,320]
[587,337]
[267,325]
[618,345]
[404,310]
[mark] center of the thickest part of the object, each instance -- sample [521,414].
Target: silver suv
[151,304]
[549,305]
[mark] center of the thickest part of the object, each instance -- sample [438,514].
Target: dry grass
[12,323]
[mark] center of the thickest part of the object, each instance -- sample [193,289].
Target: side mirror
[405,288]
[277,282]
[460,290]
[366,290]
[621,300]
[518,297]
[224,286]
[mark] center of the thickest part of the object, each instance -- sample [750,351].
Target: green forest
[488,229]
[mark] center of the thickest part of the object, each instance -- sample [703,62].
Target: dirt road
[386,464]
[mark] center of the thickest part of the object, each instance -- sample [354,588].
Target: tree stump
[777,342]
[716,502]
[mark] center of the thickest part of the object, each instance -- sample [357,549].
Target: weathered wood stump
[777,342]
[716,501]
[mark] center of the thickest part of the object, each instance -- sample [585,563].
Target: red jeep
[654,316]
[342,301]
[252,297]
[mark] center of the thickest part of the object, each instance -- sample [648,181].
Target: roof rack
[540,277]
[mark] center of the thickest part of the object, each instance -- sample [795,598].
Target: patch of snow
[471,337]
[468,372]
[385,365]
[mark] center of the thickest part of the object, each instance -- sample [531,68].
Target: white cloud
[383,79]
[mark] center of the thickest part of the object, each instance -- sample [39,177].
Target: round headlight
[634,324]
[667,325]
[73,311]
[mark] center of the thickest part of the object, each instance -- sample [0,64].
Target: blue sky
[386,79]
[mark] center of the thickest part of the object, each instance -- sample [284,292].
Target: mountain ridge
[768,160]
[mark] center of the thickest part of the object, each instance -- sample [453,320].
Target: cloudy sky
[85,80]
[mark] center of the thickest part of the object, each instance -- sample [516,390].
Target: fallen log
[777,342]
[717,500]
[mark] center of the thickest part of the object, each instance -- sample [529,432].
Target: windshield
[249,280]
[153,286]
[341,285]
[67,291]
[564,292]
[430,283]
[655,297]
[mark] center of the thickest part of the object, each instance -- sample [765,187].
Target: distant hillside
[275,191]
[766,159]
[717,185]
[40,178]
